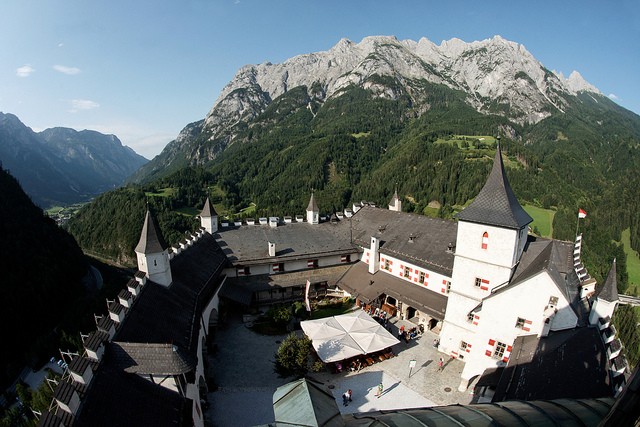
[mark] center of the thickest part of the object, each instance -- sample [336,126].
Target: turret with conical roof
[494,227]
[395,204]
[209,217]
[152,254]
[313,213]
[496,204]
[606,298]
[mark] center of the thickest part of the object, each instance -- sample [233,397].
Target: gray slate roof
[538,369]
[430,236]
[208,210]
[553,257]
[163,315]
[151,240]
[609,289]
[367,287]
[117,398]
[159,319]
[247,245]
[496,204]
[146,358]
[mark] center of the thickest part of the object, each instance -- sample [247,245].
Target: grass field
[633,261]
[360,134]
[249,210]
[188,211]
[332,310]
[542,219]
[165,192]
[470,140]
[54,210]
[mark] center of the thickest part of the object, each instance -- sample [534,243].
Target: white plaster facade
[157,266]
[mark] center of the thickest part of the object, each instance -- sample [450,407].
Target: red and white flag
[306,295]
[582,213]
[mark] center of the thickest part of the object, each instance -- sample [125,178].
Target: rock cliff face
[488,71]
[497,76]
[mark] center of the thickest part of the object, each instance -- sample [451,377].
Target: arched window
[485,240]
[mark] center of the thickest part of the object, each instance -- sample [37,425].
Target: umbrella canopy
[374,339]
[337,348]
[356,321]
[352,334]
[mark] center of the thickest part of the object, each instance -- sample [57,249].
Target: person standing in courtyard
[380,389]
[440,364]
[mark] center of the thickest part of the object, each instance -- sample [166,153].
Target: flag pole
[577,225]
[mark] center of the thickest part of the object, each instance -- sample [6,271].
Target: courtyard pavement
[242,368]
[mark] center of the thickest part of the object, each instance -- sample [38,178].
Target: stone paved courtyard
[242,368]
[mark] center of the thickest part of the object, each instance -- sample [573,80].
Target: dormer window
[485,240]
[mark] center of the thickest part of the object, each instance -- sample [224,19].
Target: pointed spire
[151,240]
[208,210]
[496,204]
[609,290]
[313,206]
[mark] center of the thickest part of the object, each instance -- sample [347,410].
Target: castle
[491,290]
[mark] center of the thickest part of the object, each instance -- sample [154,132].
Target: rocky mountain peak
[577,83]
[498,76]
[493,71]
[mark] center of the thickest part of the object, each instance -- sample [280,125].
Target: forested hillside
[358,146]
[42,267]
[110,226]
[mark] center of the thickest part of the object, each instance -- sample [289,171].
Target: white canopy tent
[352,334]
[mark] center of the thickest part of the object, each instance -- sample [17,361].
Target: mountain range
[363,120]
[493,76]
[62,165]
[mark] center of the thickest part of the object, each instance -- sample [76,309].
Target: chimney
[374,255]
[272,249]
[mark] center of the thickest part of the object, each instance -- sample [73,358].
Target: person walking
[346,398]
[440,364]
[380,389]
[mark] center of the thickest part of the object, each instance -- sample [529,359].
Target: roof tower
[496,204]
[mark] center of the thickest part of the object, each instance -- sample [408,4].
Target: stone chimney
[374,255]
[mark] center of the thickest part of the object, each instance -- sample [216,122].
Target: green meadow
[542,219]
[633,261]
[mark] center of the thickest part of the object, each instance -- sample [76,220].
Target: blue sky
[143,69]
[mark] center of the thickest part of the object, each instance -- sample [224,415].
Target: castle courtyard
[242,369]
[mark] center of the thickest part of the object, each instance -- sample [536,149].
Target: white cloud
[24,71]
[60,44]
[82,104]
[613,96]
[70,71]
